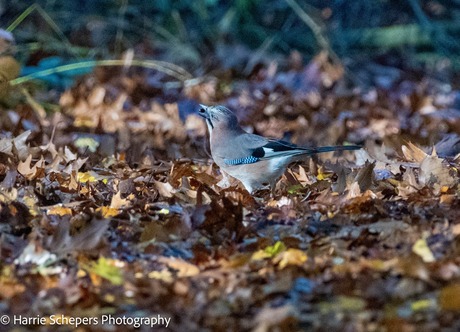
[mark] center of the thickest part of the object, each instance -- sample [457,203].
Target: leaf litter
[113,205]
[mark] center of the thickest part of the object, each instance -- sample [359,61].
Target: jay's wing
[253,148]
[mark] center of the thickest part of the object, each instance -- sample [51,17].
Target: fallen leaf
[59,210]
[290,257]
[449,297]
[434,173]
[413,153]
[25,169]
[183,268]
[118,203]
[421,248]
[107,211]
[164,275]
[106,268]
[268,318]
[165,189]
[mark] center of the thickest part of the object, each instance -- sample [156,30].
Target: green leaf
[106,269]
[275,249]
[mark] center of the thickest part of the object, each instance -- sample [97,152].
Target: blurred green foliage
[187,30]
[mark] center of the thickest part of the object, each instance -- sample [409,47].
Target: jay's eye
[202,110]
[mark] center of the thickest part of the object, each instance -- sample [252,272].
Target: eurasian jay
[252,159]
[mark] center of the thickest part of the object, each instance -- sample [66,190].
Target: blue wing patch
[242,161]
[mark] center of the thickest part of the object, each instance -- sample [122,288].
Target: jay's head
[218,117]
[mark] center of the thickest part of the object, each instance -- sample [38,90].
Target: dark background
[205,34]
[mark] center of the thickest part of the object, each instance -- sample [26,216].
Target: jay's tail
[322,149]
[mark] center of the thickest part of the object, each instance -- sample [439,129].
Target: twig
[322,40]
[315,28]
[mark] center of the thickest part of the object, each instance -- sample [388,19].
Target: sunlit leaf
[260,255]
[163,211]
[163,275]
[421,248]
[87,143]
[108,269]
[413,153]
[183,268]
[275,249]
[117,202]
[346,303]
[107,211]
[59,210]
[290,257]
[323,175]
[423,304]
[90,176]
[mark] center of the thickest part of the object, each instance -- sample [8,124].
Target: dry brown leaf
[96,96]
[118,203]
[68,155]
[434,173]
[184,269]
[302,176]
[269,318]
[73,183]
[456,229]
[164,189]
[413,153]
[447,199]
[353,191]
[24,167]
[449,297]
[18,143]
[414,267]
[365,176]
[409,185]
